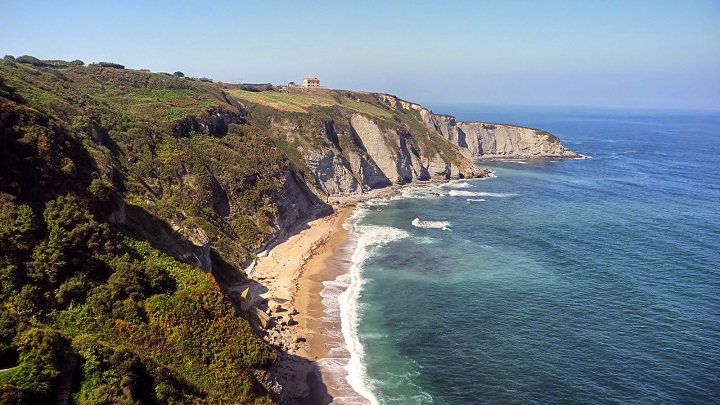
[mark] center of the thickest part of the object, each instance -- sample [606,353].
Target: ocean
[554,281]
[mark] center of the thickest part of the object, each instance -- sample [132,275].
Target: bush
[43,353]
[179,74]
[31,60]
[8,60]
[108,64]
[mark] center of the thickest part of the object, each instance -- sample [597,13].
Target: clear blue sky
[628,53]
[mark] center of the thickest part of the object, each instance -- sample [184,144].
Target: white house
[311,82]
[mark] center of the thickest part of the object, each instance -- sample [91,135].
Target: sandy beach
[286,282]
[292,273]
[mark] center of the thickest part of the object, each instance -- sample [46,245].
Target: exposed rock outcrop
[296,204]
[484,139]
[333,172]
[371,155]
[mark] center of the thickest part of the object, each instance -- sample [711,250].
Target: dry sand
[291,274]
[286,283]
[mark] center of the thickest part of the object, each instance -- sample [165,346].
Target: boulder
[246,301]
[260,317]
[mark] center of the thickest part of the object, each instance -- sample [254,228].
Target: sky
[630,53]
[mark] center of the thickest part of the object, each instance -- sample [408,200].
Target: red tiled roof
[312,79]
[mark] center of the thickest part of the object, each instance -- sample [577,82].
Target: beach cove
[291,276]
[594,259]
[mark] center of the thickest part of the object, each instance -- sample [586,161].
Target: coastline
[289,279]
[286,282]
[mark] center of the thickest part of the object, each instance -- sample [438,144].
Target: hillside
[86,169]
[131,201]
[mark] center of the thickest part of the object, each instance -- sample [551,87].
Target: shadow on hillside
[295,379]
[159,234]
[301,381]
[297,206]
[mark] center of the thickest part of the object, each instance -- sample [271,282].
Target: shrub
[31,60]
[108,64]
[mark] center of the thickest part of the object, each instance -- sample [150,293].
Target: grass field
[301,102]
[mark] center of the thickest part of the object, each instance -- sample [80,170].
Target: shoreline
[286,283]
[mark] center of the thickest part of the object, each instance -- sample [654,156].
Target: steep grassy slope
[130,200]
[91,159]
[349,141]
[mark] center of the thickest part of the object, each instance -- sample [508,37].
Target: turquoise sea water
[556,281]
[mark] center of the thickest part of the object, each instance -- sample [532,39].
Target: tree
[43,352]
[179,74]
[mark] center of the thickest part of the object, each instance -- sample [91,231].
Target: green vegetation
[83,296]
[108,64]
[105,173]
[550,137]
[302,101]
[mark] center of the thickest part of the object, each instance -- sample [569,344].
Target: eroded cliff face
[357,153]
[296,204]
[498,140]
[342,152]
[486,140]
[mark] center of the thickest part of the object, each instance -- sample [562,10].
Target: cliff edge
[111,177]
[485,139]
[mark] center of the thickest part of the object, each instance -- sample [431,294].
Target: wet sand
[287,282]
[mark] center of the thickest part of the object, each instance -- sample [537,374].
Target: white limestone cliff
[484,139]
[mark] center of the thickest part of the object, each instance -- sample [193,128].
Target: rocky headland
[247,187]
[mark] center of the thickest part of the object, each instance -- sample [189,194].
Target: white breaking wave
[444,225]
[422,192]
[456,184]
[368,235]
[376,203]
[476,199]
[375,235]
[463,193]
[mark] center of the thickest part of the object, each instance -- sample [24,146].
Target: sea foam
[350,308]
[463,193]
[422,192]
[444,225]
[456,184]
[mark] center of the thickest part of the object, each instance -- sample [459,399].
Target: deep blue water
[557,281]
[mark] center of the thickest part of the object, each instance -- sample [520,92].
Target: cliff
[485,139]
[130,201]
[345,142]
